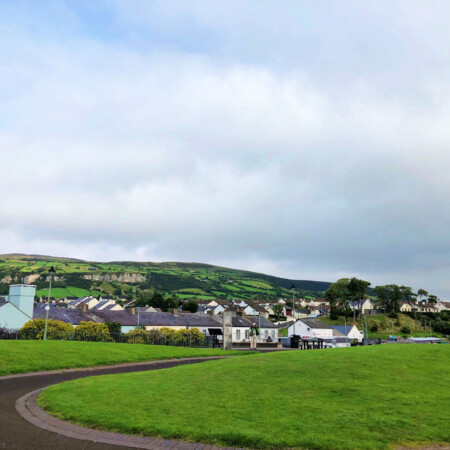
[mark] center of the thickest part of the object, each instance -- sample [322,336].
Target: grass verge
[350,398]
[33,356]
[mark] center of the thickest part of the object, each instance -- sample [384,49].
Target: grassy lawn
[33,356]
[349,398]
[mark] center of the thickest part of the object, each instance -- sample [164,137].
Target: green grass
[350,398]
[70,291]
[33,356]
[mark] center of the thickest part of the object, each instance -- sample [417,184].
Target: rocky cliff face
[122,277]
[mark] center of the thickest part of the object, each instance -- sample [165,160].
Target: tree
[407,294]
[389,297]
[338,293]
[278,310]
[432,299]
[190,305]
[357,291]
[421,293]
[171,303]
[157,301]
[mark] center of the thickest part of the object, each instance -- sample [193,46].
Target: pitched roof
[162,319]
[121,317]
[261,321]
[73,316]
[342,328]
[314,323]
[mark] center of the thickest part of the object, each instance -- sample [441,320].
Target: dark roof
[342,328]
[109,307]
[247,321]
[183,320]
[265,323]
[256,307]
[122,317]
[314,323]
[73,316]
[2,301]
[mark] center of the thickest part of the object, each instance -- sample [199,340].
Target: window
[273,334]
[247,334]
[238,335]
[266,333]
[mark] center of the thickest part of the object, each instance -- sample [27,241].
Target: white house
[366,305]
[90,301]
[351,331]
[308,328]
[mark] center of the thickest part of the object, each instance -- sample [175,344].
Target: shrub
[56,329]
[393,315]
[137,336]
[406,330]
[374,327]
[92,331]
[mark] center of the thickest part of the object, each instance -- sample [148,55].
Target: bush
[406,330]
[137,336]
[374,327]
[56,329]
[393,315]
[93,332]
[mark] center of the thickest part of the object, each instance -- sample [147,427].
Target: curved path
[18,433]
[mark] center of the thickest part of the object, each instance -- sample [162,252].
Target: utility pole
[430,328]
[51,274]
[365,323]
[293,306]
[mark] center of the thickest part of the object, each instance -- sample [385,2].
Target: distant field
[67,292]
[32,356]
[351,398]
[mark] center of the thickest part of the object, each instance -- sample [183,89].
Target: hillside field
[182,280]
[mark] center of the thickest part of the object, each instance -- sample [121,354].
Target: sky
[308,140]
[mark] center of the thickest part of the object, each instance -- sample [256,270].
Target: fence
[176,339]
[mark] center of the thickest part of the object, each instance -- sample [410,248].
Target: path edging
[108,366]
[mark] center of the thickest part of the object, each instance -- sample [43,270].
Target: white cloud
[117,152]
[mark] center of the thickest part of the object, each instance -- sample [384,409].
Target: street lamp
[293,304]
[51,273]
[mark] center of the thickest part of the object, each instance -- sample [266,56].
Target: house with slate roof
[308,328]
[350,331]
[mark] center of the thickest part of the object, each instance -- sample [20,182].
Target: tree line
[353,291]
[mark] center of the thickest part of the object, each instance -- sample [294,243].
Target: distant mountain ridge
[180,279]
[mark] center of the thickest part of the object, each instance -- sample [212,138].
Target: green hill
[184,280]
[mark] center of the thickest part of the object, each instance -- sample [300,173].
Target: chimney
[175,312]
[133,311]
[22,297]
[85,307]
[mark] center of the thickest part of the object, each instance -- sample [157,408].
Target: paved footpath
[18,433]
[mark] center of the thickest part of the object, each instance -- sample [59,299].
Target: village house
[350,331]
[308,328]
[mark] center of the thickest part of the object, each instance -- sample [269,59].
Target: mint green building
[17,308]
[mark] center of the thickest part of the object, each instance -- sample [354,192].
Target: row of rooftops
[141,317]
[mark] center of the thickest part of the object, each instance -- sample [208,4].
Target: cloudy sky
[302,139]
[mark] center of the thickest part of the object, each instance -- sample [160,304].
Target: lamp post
[51,274]
[293,305]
